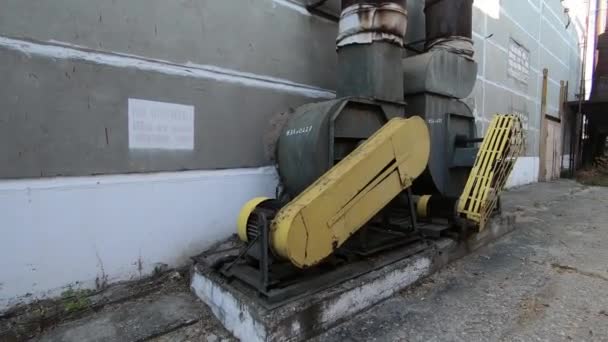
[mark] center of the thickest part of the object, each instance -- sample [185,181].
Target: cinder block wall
[80,207]
[70,67]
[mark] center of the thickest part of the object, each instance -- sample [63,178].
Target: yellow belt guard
[320,219]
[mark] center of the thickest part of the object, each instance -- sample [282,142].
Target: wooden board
[553,150]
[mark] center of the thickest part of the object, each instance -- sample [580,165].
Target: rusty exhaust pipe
[369,44]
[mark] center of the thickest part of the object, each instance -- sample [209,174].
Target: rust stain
[387,19]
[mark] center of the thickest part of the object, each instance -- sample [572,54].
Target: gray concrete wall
[257,36]
[70,67]
[64,96]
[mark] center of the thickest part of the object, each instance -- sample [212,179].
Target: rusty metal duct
[369,44]
[364,22]
[448,18]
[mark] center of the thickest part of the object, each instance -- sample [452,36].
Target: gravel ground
[546,281]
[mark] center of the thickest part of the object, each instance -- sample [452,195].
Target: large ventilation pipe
[448,67]
[448,18]
[369,44]
[434,83]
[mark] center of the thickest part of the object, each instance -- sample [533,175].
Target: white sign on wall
[160,125]
[519,62]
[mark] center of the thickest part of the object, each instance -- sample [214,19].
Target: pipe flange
[366,23]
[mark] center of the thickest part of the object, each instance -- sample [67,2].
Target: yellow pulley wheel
[244,214]
[422,206]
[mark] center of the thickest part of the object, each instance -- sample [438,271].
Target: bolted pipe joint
[368,21]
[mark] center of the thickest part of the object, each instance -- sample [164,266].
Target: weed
[75,300]
[597,175]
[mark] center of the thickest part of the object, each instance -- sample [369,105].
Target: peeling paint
[243,319]
[363,23]
[373,292]
[234,316]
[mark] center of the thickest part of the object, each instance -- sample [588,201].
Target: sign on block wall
[519,61]
[160,125]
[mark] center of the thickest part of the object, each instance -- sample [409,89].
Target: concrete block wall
[72,66]
[79,207]
[539,27]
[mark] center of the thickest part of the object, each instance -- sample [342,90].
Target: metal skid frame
[277,281]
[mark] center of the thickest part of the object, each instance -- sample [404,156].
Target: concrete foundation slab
[249,319]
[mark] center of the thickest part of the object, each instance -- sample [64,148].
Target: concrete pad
[133,321]
[247,318]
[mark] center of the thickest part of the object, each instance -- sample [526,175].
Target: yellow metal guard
[328,212]
[244,214]
[422,206]
[499,150]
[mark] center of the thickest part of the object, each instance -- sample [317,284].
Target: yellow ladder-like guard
[499,150]
[328,212]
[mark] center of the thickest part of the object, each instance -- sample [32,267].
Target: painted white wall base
[79,231]
[524,172]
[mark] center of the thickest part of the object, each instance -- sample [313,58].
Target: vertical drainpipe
[369,44]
